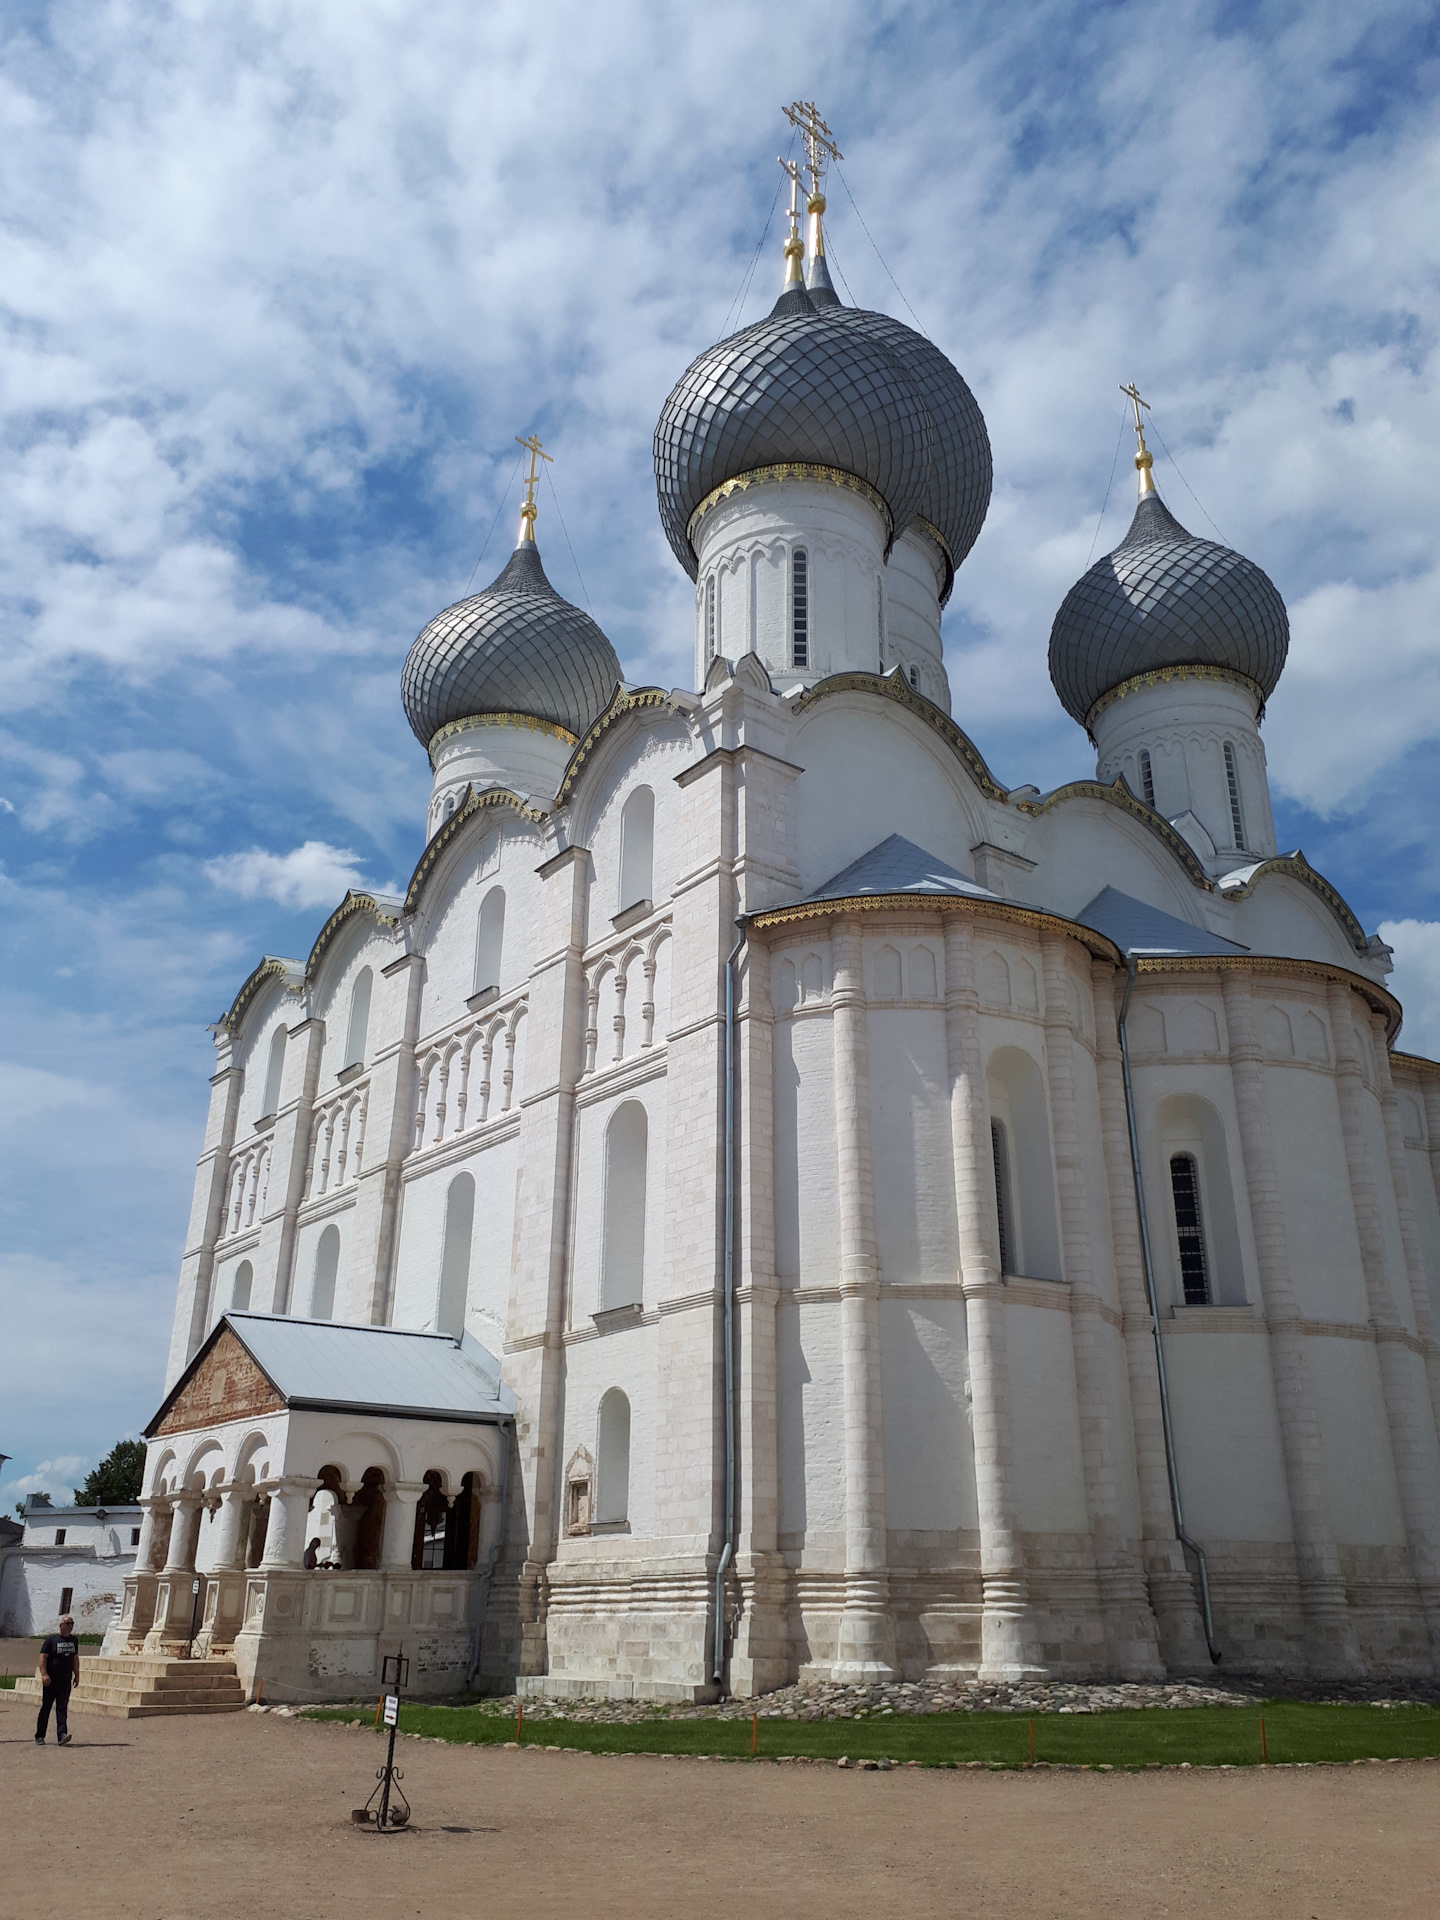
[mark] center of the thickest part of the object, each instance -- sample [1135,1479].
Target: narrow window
[999,1148]
[67,1594]
[799,608]
[455,1255]
[612,1489]
[449,807]
[240,1292]
[275,1067]
[358,1031]
[490,939]
[1147,779]
[637,848]
[880,616]
[134,1536]
[1232,781]
[915,678]
[432,1525]
[627,1141]
[712,620]
[1185,1187]
[327,1265]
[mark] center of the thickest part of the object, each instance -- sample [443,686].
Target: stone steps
[142,1686]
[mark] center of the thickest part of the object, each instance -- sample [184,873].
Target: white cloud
[56,1477]
[315,875]
[1416,982]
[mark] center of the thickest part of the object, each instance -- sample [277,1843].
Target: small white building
[924,1226]
[69,1560]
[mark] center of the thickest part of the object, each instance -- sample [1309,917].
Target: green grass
[1204,1736]
[7,1682]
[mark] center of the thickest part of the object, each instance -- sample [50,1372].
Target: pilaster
[289,1158]
[367,1282]
[207,1215]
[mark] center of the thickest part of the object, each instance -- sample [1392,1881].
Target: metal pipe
[727,1551]
[1165,1422]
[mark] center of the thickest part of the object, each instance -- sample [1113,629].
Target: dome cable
[566,531]
[878,255]
[737,305]
[1183,481]
[493,524]
[1094,538]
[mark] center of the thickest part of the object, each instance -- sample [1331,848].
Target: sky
[278,288]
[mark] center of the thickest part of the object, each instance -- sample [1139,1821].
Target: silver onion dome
[1164,598]
[515,648]
[831,386]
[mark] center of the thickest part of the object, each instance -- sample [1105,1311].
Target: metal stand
[194,1610]
[394,1672]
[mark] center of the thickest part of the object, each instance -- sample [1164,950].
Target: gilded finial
[528,509]
[794,245]
[820,149]
[1143,460]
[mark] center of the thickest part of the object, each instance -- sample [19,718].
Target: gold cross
[819,141]
[1134,398]
[1143,460]
[528,511]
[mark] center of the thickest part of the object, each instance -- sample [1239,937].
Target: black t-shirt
[61,1652]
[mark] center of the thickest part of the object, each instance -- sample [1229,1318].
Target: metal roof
[1137,928]
[1164,598]
[516,647]
[897,865]
[322,1363]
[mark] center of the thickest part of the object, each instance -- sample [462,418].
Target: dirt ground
[248,1815]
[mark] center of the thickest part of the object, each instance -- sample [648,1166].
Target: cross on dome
[1144,460]
[529,509]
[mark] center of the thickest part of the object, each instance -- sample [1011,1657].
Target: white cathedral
[771,1202]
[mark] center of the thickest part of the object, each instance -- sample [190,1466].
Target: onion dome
[829,386]
[1165,599]
[515,648]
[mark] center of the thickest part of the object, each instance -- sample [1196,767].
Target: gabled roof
[897,865]
[321,1364]
[1138,928]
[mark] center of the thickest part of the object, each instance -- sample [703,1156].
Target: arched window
[612,1479]
[914,677]
[712,619]
[637,848]
[489,939]
[1232,781]
[1004,1206]
[1185,1191]
[240,1290]
[358,1031]
[274,1068]
[327,1265]
[1147,779]
[455,1257]
[800,608]
[432,1526]
[1031,1235]
[627,1140]
[449,807]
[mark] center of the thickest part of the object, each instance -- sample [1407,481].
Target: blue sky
[280,286]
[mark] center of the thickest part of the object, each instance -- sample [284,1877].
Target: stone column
[229,1536]
[1402,1374]
[1405,1208]
[867,1632]
[1131,1642]
[145,1552]
[1172,1592]
[1334,1649]
[1009,1638]
[397,1548]
[285,1536]
[184,1533]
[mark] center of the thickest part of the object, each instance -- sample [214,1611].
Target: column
[867,1633]
[1405,1208]
[285,1536]
[1402,1378]
[1172,1592]
[1009,1637]
[397,1548]
[229,1536]
[1333,1648]
[145,1552]
[1131,1647]
[184,1533]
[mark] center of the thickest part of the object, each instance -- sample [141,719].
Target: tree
[116,1481]
[32,1500]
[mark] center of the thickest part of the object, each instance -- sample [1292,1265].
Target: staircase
[142,1686]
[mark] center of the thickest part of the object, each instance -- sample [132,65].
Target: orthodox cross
[528,511]
[1144,462]
[794,246]
[820,144]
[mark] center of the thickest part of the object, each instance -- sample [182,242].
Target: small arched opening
[1024,1169]
[612,1479]
[455,1255]
[274,1072]
[432,1526]
[368,1506]
[327,1267]
[637,849]
[490,940]
[357,1033]
[627,1145]
[241,1287]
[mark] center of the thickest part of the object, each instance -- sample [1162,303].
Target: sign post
[394,1673]
[194,1609]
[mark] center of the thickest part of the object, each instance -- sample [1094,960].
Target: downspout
[727,1550]
[507,1427]
[1165,1422]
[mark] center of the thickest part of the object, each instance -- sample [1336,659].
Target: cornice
[352,904]
[471,803]
[1299,868]
[1273,965]
[1417,1062]
[1118,794]
[270,968]
[795,470]
[895,687]
[1159,676]
[528,720]
[622,703]
[922,903]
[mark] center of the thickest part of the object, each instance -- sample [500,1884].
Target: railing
[609,978]
[458,1075]
[337,1140]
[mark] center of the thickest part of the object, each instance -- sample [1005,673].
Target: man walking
[59,1671]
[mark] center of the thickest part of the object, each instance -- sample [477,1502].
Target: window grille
[999,1150]
[1194,1267]
[800,608]
[1232,780]
[1147,779]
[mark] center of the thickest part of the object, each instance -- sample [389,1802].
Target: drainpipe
[727,1551]
[488,1577]
[1169,1431]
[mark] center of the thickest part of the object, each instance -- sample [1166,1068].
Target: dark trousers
[56,1694]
